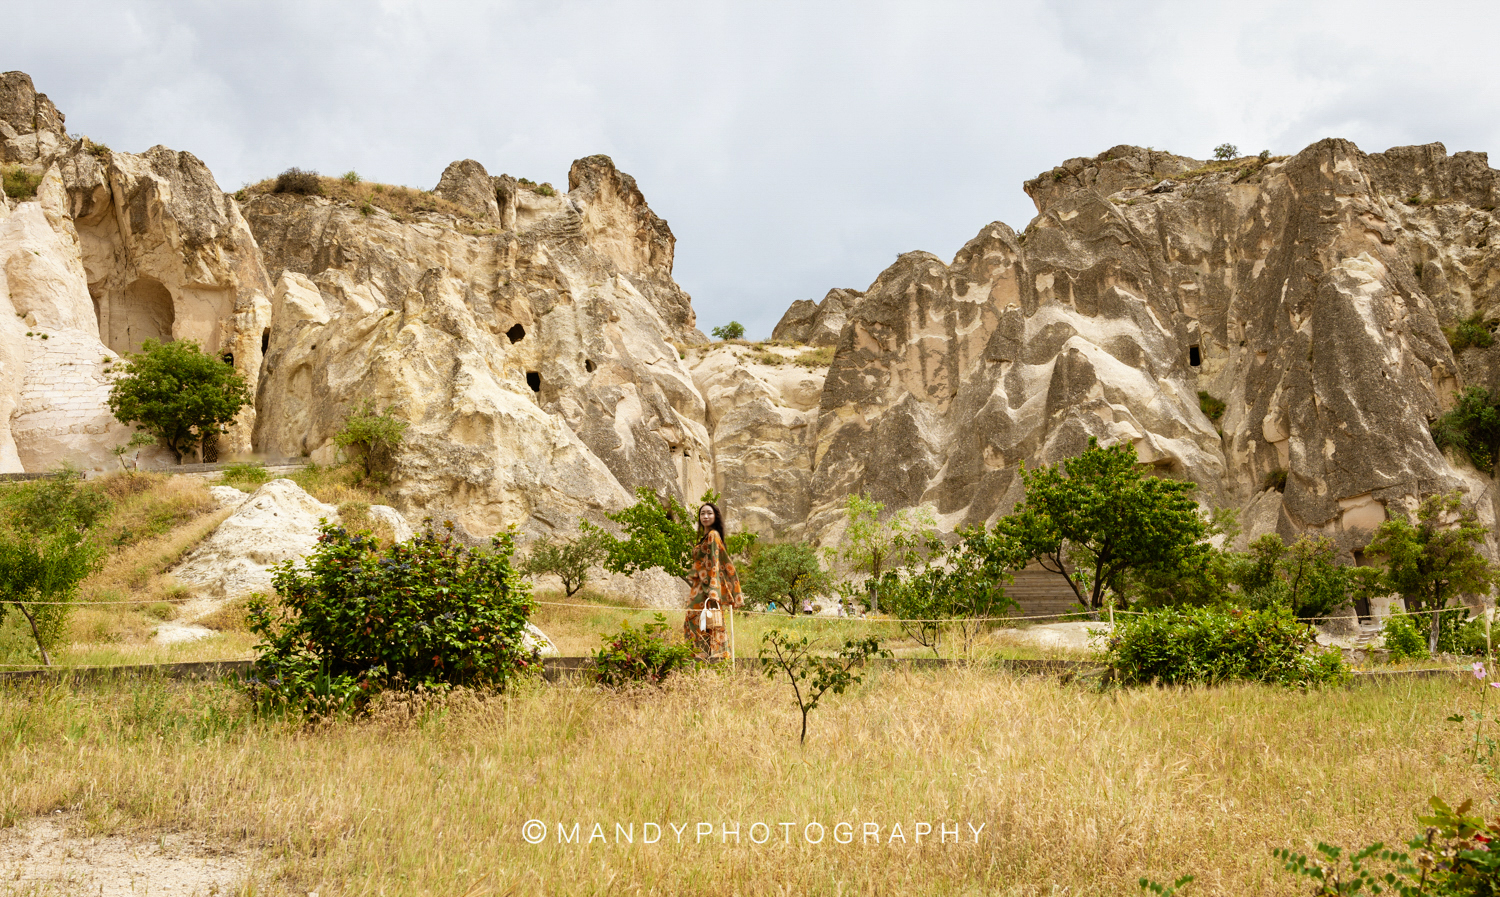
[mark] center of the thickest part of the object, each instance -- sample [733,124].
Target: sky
[793,147]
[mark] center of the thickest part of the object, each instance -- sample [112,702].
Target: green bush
[1212,408]
[1204,645]
[1303,576]
[642,655]
[351,177]
[1472,331]
[732,330]
[376,434]
[1405,638]
[46,549]
[178,393]
[246,473]
[20,183]
[1460,636]
[1453,855]
[296,181]
[1275,479]
[426,613]
[1472,427]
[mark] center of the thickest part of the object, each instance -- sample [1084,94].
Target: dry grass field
[1077,791]
[1071,790]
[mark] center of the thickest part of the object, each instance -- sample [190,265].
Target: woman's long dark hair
[717,525]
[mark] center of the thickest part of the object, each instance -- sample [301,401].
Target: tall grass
[1078,792]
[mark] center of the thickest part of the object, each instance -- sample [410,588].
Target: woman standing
[715,588]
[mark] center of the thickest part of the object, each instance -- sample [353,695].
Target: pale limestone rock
[533,368]
[652,588]
[762,419]
[167,255]
[534,639]
[1307,293]
[54,382]
[468,184]
[227,496]
[279,522]
[401,531]
[817,323]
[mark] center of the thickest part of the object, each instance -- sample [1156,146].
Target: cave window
[1195,356]
[265,341]
[534,380]
[516,333]
[228,358]
[588,365]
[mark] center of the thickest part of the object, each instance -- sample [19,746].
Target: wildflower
[1478,669]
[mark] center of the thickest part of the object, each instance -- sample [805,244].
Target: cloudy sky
[792,146]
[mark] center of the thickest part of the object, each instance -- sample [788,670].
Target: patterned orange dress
[715,589]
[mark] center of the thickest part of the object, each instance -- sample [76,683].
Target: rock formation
[279,522]
[762,417]
[817,323]
[1308,293]
[548,365]
[535,368]
[113,250]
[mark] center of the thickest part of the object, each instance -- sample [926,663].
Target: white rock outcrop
[401,531]
[279,522]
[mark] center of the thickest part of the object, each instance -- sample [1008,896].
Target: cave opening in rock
[228,358]
[1195,357]
[516,333]
[147,313]
[588,365]
[265,341]
[534,380]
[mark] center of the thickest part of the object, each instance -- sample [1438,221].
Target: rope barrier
[764,613]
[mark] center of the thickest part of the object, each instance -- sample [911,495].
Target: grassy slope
[155,520]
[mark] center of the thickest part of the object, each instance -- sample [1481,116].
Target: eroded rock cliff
[534,361]
[548,364]
[1308,293]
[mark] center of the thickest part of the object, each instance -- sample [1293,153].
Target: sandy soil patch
[45,856]
[1057,635]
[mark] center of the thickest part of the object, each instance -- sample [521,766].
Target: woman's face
[706,516]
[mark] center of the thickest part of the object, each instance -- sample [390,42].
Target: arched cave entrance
[145,313]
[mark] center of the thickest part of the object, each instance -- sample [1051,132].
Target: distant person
[715,588]
[807,607]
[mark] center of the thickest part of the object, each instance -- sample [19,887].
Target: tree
[732,330]
[961,589]
[872,546]
[792,655]
[568,561]
[178,393]
[660,533]
[1226,151]
[1098,518]
[374,434]
[1434,558]
[1302,577]
[785,572]
[47,550]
